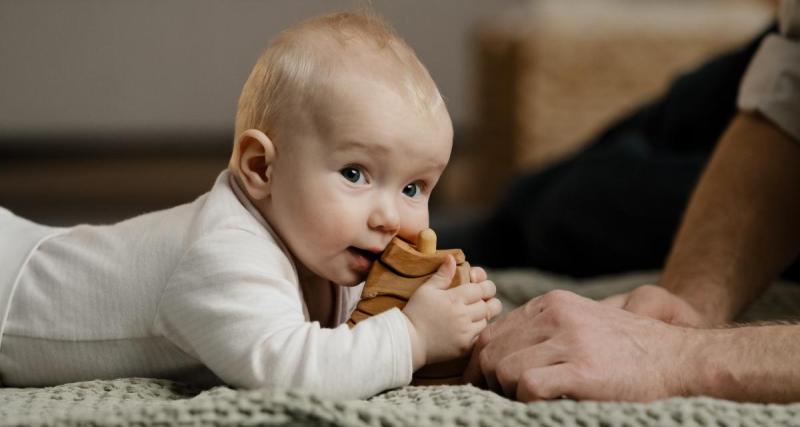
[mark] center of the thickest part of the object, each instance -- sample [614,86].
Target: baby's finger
[444,275]
[477,327]
[495,307]
[468,293]
[478,310]
[489,289]
[477,274]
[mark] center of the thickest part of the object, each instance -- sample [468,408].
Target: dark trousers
[616,205]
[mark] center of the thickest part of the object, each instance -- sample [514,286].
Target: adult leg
[616,205]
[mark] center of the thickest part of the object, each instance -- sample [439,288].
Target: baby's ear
[255,152]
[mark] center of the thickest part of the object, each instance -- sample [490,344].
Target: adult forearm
[742,225]
[749,363]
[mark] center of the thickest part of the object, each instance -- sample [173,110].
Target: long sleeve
[771,85]
[235,304]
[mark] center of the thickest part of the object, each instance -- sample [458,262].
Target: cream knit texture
[136,401]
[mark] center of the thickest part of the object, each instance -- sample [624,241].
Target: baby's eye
[412,190]
[352,174]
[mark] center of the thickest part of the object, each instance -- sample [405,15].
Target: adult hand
[561,344]
[659,303]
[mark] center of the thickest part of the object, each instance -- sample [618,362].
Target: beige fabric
[771,84]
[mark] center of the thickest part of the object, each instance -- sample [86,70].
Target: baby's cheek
[408,235]
[412,224]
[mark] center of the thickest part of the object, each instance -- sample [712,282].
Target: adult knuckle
[581,374]
[555,315]
[532,306]
[548,317]
[556,299]
[530,386]
[504,372]
[559,296]
[576,342]
[648,289]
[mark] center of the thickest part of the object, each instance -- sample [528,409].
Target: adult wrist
[684,362]
[703,371]
[709,297]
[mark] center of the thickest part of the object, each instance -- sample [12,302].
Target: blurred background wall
[93,66]
[109,108]
[113,108]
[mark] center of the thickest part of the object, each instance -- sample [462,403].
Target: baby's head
[341,135]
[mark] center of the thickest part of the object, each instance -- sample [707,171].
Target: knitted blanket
[138,401]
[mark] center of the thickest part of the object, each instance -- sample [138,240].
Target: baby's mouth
[371,256]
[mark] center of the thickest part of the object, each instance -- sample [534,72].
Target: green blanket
[137,401]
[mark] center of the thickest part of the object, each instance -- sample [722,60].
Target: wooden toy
[401,269]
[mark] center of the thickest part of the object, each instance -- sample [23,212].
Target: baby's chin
[346,279]
[349,283]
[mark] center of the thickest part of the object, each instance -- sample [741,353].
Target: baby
[341,135]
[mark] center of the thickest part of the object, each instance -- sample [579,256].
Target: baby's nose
[384,216]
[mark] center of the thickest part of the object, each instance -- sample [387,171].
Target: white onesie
[203,292]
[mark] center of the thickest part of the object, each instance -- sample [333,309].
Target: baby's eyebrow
[429,165]
[378,149]
[439,166]
[356,145]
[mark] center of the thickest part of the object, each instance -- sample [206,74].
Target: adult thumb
[444,275]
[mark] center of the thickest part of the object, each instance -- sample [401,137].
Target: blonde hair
[301,58]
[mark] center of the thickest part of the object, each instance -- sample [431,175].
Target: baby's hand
[444,323]
[477,275]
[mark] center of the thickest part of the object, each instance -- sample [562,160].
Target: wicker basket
[554,73]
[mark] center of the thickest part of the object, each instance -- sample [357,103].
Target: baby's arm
[444,323]
[231,305]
